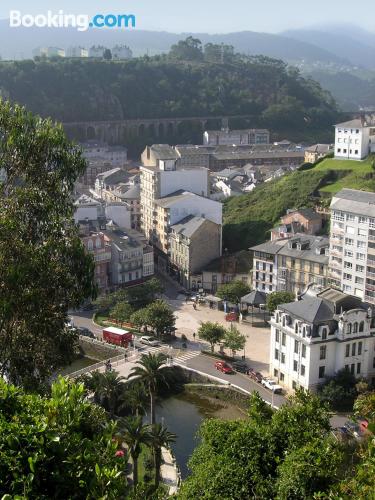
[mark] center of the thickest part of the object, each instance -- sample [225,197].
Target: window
[352,366]
[295,365]
[359,269]
[361,244]
[349,241]
[358,368]
[350,217]
[294,384]
[348,253]
[349,328]
[347,350]
[350,230]
[277,335]
[323,351]
[362,232]
[296,346]
[348,265]
[359,280]
[353,348]
[282,358]
[339,150]
[322,370]
[276,354]
[359,348]
[283,338]
[303,351]
[361,328]
[281,377]
[355,327]
[303,370]
[363,220]
[275,373]
[360,256]
[324,333]
[347,276]
[356,151]
[90,245]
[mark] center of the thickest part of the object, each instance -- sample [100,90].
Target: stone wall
[98,350]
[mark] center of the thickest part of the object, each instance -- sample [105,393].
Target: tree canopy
[44,269]
[59,446]
[213,333]
[233,291]
[274,299]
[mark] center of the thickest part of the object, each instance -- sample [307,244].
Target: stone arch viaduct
[119,131]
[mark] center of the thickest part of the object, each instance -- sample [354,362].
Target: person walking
[194,306]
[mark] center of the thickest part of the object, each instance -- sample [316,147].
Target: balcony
[101,257]
[335,264]
[335,272]
[337,238]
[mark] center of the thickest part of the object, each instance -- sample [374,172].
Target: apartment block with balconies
[291,264]
[352,243]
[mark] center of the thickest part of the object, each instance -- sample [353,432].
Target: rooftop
[309,246]
[122,239]
[189,225]
[310,309]
[353,200]
[164,152]
[308,213]
[167,201]
[320,148]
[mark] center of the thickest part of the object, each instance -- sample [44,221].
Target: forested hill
[78,90]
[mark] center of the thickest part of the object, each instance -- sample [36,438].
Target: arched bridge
[119,131]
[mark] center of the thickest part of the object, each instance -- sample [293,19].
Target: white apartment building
[77,52]
[229,137]
[354,139]
[120,52]
[157,182]
[48,52]
[116,156]
[96,51]
[352,243]
[315,337]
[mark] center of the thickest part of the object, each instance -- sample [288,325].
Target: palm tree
[135,398]
[110,389]
[134,433]
[159,437]
[150,371]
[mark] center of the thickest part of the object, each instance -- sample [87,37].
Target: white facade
[119,213]
[229,137]
[77,52]
[352,243]
[48,52]
[115,156]
[148,262]
[191,204]
[300,359]
[96,51]
[193,180]
[354,140]
[121,52]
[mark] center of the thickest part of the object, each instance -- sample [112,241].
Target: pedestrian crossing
[184,356]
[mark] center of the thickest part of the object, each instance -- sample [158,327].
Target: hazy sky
[213,16]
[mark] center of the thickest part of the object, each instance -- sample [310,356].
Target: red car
[223,367]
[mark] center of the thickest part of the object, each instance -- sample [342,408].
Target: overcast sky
[213,16]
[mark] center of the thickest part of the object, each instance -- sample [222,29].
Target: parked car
[223,367]
[240,366]
[271,385]
[256,376]
[85,332]
[152,341]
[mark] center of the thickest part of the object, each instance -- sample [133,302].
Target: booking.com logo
[61,20]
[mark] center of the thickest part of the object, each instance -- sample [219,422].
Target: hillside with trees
[249,218]
[191,80]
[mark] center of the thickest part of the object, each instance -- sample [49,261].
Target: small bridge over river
[120,131]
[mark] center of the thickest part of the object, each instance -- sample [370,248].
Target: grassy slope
[248,218]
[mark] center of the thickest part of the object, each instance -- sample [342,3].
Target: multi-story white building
[352,243]
[97,51]
[159,181]
[355,139]
[121,52]
[77,52]
[315,337]
[116,156]
[291,264]
[48,52]
[229,137]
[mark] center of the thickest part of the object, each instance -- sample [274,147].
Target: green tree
[134,433]
[160,317]
[107,55]
[213,333]
[44,269]
[110,390]
[259,410]
[364,406]
[189,49]
[234,340]
[274,299]
[339,391]
[233,291]
[135,398]
[159,437]
[150,370]
[58,446]
[140,318]
[122,312]
[218,53]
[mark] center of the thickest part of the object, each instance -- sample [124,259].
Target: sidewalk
[258,337]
